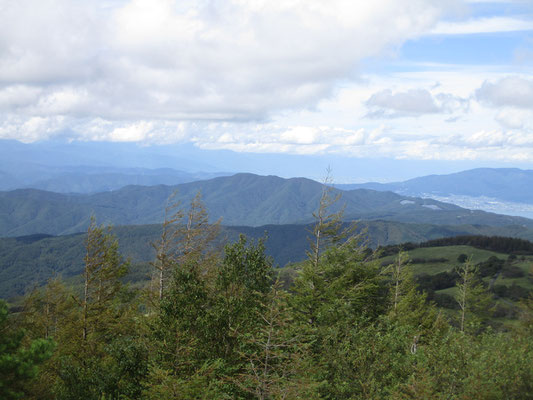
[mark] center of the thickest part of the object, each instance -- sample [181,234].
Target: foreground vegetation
[219,324]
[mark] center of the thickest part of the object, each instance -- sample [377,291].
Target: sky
[440,82]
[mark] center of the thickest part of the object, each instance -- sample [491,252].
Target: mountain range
[509,184]
[91,167]
[241,199]
[97,179]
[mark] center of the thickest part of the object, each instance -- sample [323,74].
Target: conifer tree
[471,296]
[18,363]
[408,306]
[327,232]
[103,269]
[275,358]
[165,247]
[402,280]
[187,238]
[94,358]
[327,229]
[203,321]
[47,310]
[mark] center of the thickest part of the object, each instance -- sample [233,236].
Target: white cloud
[30,129]
[193,60]
[12,97]
[255,75]
[49,41]
[511,118]
[412,102]
[131,133]
[513,91]
[300,135]
[483,25]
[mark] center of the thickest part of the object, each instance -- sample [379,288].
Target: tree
[187,238]
[18,363]
[47,310]
[327,229]
[408,306]
[274,356]
[165,246]
[96,357]
[471,296]
[400,278]
[244,279]
[204,319]
[103,269]
[327,232]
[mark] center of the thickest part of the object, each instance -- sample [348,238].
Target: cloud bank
[195,60]
[258,76]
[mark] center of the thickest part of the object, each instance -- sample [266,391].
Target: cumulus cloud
[518,119]
[490,139]
[191,60]
[512,91]
[297,139]
[248,75]
[413,102]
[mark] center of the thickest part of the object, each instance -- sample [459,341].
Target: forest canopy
[223,323]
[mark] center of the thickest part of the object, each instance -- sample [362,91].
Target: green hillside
[242,199]
[507,277]
[218,317]
[30,260]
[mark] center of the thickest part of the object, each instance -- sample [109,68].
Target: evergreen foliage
[19,363]
[508,245]
[226,328]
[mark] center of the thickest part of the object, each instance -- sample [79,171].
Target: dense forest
[222,323]
[496,243]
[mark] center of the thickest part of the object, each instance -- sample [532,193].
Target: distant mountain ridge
[511,184]
[86,179]
[241,199]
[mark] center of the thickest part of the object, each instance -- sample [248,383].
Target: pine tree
[187,238]
[327,229]
[203,321]
[408,306]
[165,247]
[47,310]
[275,358]
[402,280]
[327,233]
[103,269]
[94,357]
[472,297]
[18,363]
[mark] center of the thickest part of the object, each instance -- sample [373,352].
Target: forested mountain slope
[242,199]
[27,261]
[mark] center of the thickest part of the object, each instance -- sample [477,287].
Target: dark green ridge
[242,199]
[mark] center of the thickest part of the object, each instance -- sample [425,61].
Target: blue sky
[444,84]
